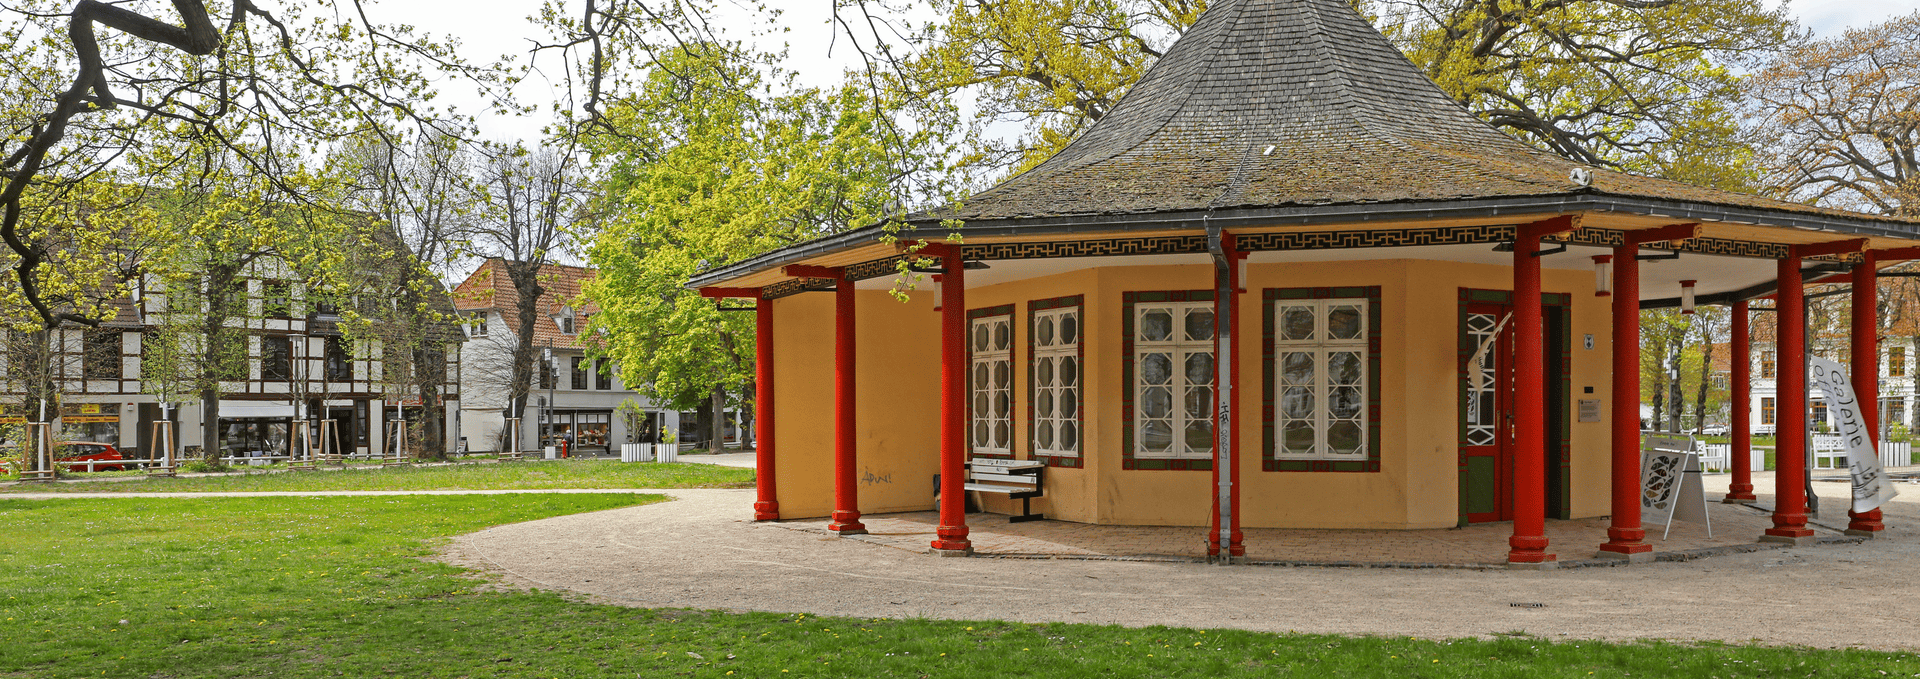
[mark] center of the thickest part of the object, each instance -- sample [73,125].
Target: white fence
[1827,454]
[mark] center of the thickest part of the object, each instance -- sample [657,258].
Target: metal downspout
[1224,317]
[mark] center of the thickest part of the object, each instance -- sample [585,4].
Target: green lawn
[587,474]
[334,586]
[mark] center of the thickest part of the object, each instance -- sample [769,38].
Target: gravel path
[701,552]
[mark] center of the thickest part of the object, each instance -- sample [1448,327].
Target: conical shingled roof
[1266,103]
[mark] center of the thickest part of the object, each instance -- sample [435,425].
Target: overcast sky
[501,28]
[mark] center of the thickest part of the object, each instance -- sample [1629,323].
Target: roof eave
[1313,215]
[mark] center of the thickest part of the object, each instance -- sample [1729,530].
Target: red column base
[846,522]
[1528,549]
[766,511]
[1740,492]
[1626,541]
[1790,525]
[1237,547]
[950,539]
[1864,522]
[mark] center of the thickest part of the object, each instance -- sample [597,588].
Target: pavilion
[1426,322]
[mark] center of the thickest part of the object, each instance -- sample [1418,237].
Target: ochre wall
[1417,486]
[897,382]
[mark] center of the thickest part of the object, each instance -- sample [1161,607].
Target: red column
[1625,537]
[1529,540]
[1741,491]
[767,507]
[1866,372]
[950,538]
[1790,494]
[846,492]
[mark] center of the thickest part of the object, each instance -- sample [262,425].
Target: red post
[1529,540]
[1625,536]
[1741,490]
[767,506]
[1866,373]
[846,492]
[950,538]
[1790,493]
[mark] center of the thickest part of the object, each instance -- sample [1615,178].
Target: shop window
[603,372]
[579,373]
[276,358]
[1897,361]
[1173,379]
[103,353]
[339,362]
[1766,411]
[990,382]
[1766,365]
[591,429]
[1055,375]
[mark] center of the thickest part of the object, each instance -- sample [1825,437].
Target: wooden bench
[1017,479]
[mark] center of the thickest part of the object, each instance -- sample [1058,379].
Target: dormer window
[565,320]
[477,323]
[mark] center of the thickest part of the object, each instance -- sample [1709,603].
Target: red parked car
[81,451]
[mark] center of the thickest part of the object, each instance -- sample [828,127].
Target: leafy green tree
[709,167]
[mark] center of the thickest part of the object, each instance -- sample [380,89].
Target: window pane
[1297,403]
[1156,325]
[1044,333]
[1199,324]
[1002,374]
[1199,436]
[1069,370]
[980,403]
[1156,402]
[980,374]
[980,337]
[1156,435]
[1002,335]
[1069,402]
[1069,328]
[1156,368]
[1045,433]
[1069,436]
[1297,437]
[1200,368]
[1002,406]
[1344,438]
[1343,322]
[979,433]
[1043,404]
[1043,373]
[1296,323]
[1199,402]
[1297,368]
[1343,367]
[1002,434]
[1344,402]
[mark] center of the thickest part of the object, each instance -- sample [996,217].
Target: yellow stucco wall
[1417,486]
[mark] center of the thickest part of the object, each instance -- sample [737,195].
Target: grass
[333,586]
[587,474]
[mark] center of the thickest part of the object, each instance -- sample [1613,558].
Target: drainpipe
[1224,543]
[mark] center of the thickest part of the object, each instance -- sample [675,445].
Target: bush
[204,467]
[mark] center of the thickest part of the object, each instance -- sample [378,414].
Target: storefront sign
[1870,485]
[90,413]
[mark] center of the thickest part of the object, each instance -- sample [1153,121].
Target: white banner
[1870,486]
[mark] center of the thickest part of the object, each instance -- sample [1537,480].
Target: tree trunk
[1700,396]
[718,425]
[210,425]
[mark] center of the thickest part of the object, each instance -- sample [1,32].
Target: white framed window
[1056,382]
[990,341]
[1173,379]
[1320,365]
[477,323]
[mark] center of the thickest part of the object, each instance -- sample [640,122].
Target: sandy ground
[701,551]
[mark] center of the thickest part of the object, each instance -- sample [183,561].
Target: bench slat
[1022,479]
[992,464]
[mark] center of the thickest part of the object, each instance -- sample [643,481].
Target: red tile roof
[489,288]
